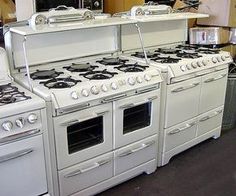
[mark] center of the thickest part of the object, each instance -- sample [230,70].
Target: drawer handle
[183,88]
[214,79]
[175,131]
[212,116]
[15,155]
[142,147]
[87,169]
[130,105]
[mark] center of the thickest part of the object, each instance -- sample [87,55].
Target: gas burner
[166,59]
[45,74]
[132,68]
[188,55]
[167,50]
[59,83]
[141,54]
[207,51]
[10,94]
[112,61]
[99,75]
[80,67]
[187,47]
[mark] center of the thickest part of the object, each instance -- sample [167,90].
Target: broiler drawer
[210,121]
[180,134]
[81,176]
[135,154]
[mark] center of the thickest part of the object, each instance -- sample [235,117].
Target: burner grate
[141,54]
[80,67]
[45,74]
[132,68]
[188,55]
[60,83]
[207,51]
[166,59]
[112,61]
[99,75]
[167,50]
[187,47]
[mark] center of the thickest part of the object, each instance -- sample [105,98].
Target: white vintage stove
[103,109]
[21,137]
[193,91]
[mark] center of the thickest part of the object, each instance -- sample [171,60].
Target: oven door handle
[87,169]
[175,131]
[212,116]
[130,105]
[15,155]
[183,88]
[215,79]
[115,98]
[19,136]
[142,147]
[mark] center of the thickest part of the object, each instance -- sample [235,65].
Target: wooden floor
[209,169]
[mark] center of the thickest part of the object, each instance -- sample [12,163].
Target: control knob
[139,79]
[219,59]
[147,77]
[223,58]
[104,88]
[94,90]
[199,64]
[32,118]
[7,126]
[188,67]
[131,81]
[85,93]
[204,62]
[214,59]
[194,65]
[74,95]
[114,86]
[20,122]
[183,68]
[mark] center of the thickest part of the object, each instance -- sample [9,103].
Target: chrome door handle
[15,155]
[115,98]
[68,123]
[209,117]
[175,131]
[130,105]
[142,147]
[19,136]
[147,90]
[183,88]
[87,169]
[215,79]
[102,113]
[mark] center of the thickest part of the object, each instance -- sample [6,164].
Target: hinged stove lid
[57,43]
[157,30]
[4,68]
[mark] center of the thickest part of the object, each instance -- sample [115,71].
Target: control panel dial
[32,118]
[7,126]
[74,95]
[20,122]
[114,86]
[147,77]
[139,79]
[94,90]
[85,92]
[104,88]
[131,81]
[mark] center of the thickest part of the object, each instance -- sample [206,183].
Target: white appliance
[22,131]
[194,88]
[103,110]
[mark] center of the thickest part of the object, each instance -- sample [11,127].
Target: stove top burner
[166,59]
[132,68]
[11,94]
[45,74]
[112,61]
[80,67]
[141,54]
[167,50]
[188,55]
[99,75]
[59,83]
[207,51]
[187,47]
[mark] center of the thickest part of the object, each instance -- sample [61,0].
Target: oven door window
[85,134]
[137,117]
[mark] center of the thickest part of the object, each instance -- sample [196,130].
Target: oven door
[83,134]
[136,117]
[182,101]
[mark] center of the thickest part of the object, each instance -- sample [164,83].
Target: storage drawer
[135,154]
[210,121]
[180,134]
[81,176]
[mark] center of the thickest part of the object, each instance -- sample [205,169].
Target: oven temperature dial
[94,90]
[20,122]
[32,118]
[7,126]
[85,93]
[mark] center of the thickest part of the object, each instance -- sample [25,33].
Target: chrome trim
[215,79]
[68,123]
[73,108]
[15,155]
[183,88]
[212,116]
[141,91]
[19,136]
[175,131]
[114,98]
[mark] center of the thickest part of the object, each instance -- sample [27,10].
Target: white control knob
[94,90]
[183,68]
[223,58]
[7,126]
[147,77]
[131,81]
[204,62]
[20,122]
[194,65]
[139,79]
[104,88]
[199,64]
[214,59]
[74,95]
[114,86]
[85,93]
[219,59]
[32,118]
[188,67]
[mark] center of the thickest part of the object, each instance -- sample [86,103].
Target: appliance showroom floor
[208,169]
